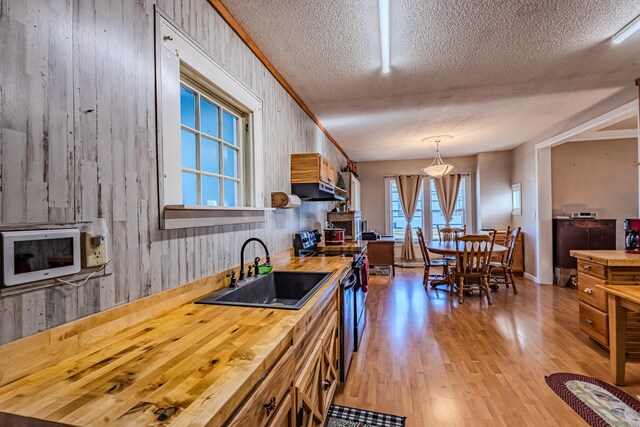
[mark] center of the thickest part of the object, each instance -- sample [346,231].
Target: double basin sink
[278,289]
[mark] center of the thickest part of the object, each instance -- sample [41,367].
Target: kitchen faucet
[244,245]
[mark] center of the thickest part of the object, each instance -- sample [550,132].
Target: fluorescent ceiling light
[384,34]
[627,31]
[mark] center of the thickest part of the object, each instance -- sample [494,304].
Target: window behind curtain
[398,223]
[458,220]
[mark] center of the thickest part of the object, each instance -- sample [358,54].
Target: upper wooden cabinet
[312,167]
[353,190]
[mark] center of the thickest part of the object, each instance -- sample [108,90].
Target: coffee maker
[632,235]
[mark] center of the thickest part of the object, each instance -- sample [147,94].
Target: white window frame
[516,199]
[426,208]
[173,51]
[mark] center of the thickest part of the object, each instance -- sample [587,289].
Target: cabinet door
[325,170]
[603,237]
[260,408]
[568,235]
[355,193]
[330,363]
[308,391]
[284,417]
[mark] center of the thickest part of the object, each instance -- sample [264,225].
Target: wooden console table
[381,252]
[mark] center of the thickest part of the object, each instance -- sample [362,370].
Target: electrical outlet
[94,250]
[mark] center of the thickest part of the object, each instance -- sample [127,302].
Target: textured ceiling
[492,73]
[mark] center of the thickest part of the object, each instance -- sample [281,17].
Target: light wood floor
[442,364]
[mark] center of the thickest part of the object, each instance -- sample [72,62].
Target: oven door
[359,309]
[347,323]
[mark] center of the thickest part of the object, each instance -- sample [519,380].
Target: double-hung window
[211,140]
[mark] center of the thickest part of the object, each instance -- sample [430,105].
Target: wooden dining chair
[505,265]
[449,234]
[473,255]
[436,279]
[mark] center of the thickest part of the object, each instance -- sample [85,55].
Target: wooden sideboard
[381,252]
[578,234]
[607,267]
[518,256]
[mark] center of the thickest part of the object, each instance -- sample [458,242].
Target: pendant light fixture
[438,168]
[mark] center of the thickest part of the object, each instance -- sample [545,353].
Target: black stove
[353,297]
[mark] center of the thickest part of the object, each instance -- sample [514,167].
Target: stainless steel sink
[278,289]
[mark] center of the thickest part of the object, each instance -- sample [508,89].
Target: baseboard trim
[534,279]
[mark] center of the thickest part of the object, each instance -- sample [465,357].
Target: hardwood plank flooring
[439,363]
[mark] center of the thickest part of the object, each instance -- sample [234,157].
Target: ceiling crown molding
[237,28]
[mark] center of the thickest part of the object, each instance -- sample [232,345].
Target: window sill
[181,216]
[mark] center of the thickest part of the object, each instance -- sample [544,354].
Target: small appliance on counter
[370,235]
[305,243]
[632,235]
[584,215]
[349,221]
[333,235]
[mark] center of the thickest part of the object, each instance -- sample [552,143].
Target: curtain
[447,188]
[408,191]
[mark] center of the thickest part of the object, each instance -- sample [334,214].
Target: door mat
[599,403]
[343,416]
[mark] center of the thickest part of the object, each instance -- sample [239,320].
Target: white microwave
[30,256]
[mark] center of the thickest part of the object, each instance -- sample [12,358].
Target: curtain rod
[393,176]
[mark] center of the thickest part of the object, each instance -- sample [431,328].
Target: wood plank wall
[77,141]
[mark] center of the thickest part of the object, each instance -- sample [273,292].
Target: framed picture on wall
[516,199]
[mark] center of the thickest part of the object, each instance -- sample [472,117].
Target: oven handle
[350,282]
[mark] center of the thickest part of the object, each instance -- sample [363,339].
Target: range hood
[315,192]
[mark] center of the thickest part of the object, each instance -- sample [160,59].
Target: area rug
[599,403]
[343,416]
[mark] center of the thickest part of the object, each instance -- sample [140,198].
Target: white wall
[493,183]
[596,176]
[523,172]
[371,175]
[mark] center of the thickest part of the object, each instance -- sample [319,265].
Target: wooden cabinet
[353,190]
[298,390]
[312,167]
[518,256]
[285,416]
[329,363]
[581,234]
[308,391]
[381,252]
[271,392]
[593,309]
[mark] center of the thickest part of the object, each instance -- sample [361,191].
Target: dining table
[448,248]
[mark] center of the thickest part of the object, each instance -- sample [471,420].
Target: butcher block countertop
[349,247]
[189,365]
[610,258]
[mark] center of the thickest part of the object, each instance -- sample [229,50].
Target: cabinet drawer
[591,268]
[261,405]
[590,294]
[594,323]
